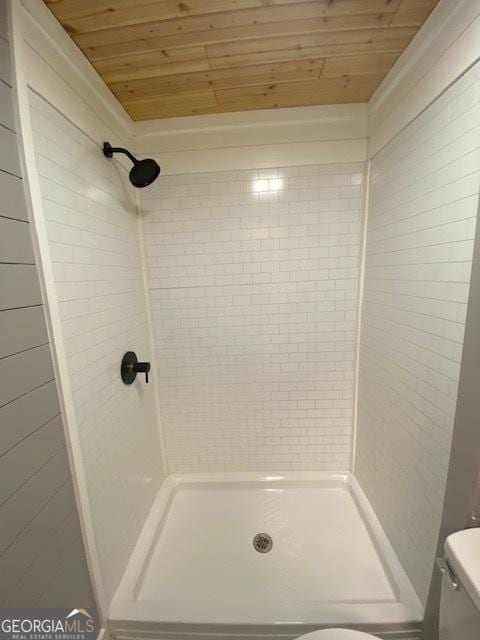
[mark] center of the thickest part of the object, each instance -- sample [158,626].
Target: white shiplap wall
[89,206]
[253,282]
[422,215]
[41,545]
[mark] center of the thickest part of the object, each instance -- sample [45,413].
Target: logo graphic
[74,612]
[48,624]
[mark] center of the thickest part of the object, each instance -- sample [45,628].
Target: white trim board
[446,45]
[256,139]
[261,156]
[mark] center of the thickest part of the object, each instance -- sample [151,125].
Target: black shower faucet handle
[142,367]
[130,367]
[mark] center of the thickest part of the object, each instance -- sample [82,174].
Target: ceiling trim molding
[256,139]
[261,156]
[445,46]
[255,119]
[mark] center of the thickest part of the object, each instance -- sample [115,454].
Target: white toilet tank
[460,606]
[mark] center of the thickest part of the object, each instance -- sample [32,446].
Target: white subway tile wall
[422,216]
[253,284]
[94,242]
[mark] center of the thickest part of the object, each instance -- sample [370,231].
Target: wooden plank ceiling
[165,58]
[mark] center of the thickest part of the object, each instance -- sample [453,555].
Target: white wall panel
[92,226]
[422,215]
[253,282]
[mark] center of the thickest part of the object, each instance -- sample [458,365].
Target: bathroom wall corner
[361,282]
[153,356]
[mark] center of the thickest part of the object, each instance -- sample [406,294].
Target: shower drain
[262,543]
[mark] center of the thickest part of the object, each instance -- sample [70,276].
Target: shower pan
[319,558]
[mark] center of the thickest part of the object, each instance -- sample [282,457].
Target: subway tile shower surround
[94,242]
[421,225]
[253,285]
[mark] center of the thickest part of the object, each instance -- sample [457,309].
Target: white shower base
[194,572]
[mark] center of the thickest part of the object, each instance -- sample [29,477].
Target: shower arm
[108,152]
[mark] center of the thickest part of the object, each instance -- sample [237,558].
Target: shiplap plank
[363,46]
[150,65]
[15,241]
[170,106]
[33,540]
[353,37]
[24,371]
[77,11]
[9,157]
[12,203]
[5,62]
[219,79]
[21,329]
[7,118]
[88,17]
[3,20]
[60,592]
[19,286]
[413,12]
[159,70]
[318,13]
[30,499]
[293,28]
[358,65]
[340,89]
[26,414]
[271,96]
[57,552]
[23,461]
[85,15]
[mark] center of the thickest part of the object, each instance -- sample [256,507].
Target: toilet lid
[337,634]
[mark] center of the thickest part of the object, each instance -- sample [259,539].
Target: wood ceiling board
[266,96]
[413,12]
[85,14]
[93,15]
[290,71]
[300,42]
[152,64]
[165,58]
[231,35]
[322,51]
[359,65]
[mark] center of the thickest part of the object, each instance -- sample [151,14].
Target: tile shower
[305,327]
[252,296]
[253,284]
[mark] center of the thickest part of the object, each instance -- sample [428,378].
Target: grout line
[361,286]
[148,311]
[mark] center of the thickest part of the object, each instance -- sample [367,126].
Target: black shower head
[143,172]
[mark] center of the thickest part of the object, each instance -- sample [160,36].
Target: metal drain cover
[262,543]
